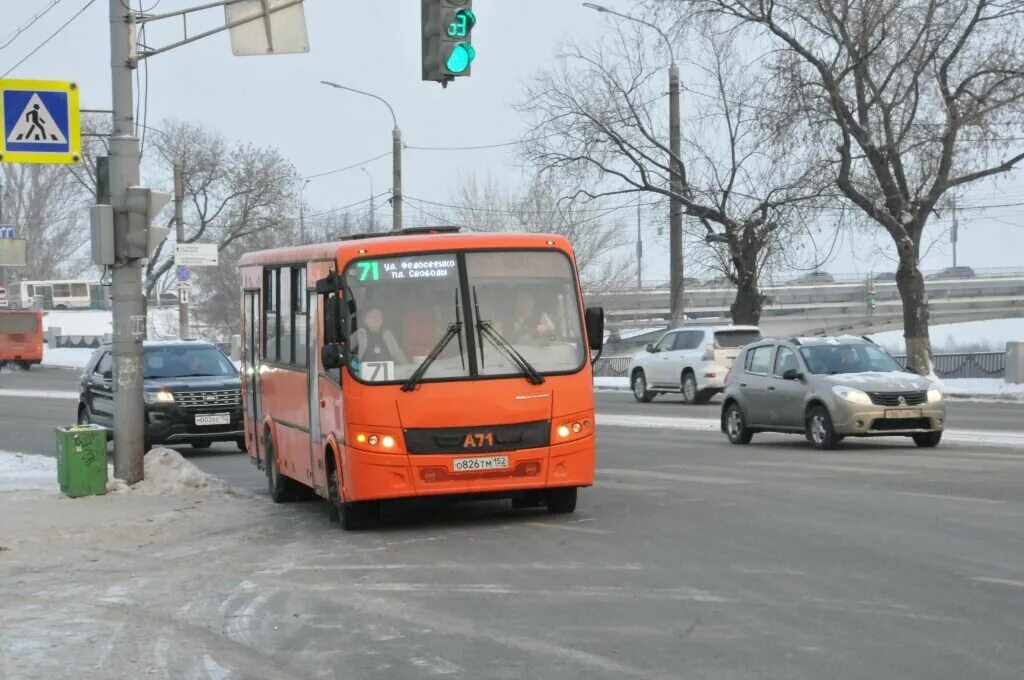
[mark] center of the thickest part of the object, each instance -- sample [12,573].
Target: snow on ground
[989,336]
[611,383]
[27,472]
[165,471]
[79,323]
[982,387]
[66,357]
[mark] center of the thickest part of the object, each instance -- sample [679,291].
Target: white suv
[692,359]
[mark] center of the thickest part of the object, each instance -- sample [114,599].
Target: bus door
[313,391]
[47,293]
[251,369]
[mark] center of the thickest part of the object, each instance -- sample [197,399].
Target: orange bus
[21,337]
[426,362]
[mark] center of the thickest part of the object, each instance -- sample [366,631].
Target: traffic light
[872,300]
[447,45]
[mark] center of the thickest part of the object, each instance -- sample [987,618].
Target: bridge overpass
[825,308]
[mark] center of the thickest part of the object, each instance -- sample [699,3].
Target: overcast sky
[374,45]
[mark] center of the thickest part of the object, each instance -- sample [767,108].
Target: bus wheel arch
[280,487]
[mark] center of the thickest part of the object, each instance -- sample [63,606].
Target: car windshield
[16,322]
[839,358]
[405,305]
[186,362]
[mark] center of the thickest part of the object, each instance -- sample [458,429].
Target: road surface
[690,558]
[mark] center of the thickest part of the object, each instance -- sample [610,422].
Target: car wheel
[819,429]
[640,388]
[561,501]
[736,425]
[200,443]
[278,485]
[83,415]
[351,516]
[242,446]
[928,440]
[689,388]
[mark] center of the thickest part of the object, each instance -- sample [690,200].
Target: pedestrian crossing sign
[40,122]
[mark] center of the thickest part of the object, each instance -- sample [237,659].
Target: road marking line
[672,476]
[951,498]
[566,527]
[999,581]
[40,394]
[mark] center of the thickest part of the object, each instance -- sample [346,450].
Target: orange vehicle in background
[423,363]
[21,337]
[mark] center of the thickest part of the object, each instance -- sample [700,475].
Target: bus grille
[208,399]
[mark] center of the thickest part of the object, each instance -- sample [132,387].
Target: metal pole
[675,236]
[955,234]
[302,212]
[639,250]
[129,304]
[179,230]
[396,179]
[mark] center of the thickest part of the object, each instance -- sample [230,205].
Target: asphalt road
[690,558]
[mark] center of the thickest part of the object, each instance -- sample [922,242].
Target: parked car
[4,302]
[828,389]
[814,277]
[719,282]
[954,273]
[883,277]
[193,394]
[692,360]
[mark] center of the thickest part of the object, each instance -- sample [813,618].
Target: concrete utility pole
[373,225]
[396,156]
[129,305]
[179,230]
[302,212]
[639,250]
[676,184]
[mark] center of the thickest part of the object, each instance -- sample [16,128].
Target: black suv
[193,394]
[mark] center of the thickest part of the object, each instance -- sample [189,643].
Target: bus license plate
[214,419]
[904,413]
[472,464]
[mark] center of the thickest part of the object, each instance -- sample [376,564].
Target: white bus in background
[71,294]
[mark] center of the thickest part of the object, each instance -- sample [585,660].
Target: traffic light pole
[129,305]
[179,231]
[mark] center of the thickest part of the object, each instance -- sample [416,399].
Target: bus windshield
[13,322]
[404,306]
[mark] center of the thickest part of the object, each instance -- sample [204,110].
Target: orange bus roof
[387,244]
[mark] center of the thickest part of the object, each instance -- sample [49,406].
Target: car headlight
[159,397]
[934,396]
[851,394]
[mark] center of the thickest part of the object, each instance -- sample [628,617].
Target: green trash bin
[82,460]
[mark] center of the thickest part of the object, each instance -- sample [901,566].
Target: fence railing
[953,366]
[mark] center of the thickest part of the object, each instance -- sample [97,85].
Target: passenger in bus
[374,342]
[419,326]
[529,326]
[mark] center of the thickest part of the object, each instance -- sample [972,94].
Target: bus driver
[374,342]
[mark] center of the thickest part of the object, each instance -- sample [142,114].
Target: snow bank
[66,357]
[982,387]
[167,472]
[611,383]
[989,335]
[79,323]
[27,472]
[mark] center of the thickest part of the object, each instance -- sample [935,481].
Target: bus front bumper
[371,476]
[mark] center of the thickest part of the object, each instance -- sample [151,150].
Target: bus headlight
[572,429]
[563,431]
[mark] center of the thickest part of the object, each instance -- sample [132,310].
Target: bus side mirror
[332,355]
[595,327]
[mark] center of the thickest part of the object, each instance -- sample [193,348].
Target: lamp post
[675,234]
[373,227]
[302,213]
[396,156]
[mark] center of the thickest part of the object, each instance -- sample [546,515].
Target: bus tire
[278,485]
[351,516]
[561,501]
[25,365]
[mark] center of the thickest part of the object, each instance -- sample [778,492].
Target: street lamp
[373,227]
[396,156]
[302,213]
[675,234]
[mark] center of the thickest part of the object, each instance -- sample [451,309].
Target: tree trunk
[746,308]
[910,283]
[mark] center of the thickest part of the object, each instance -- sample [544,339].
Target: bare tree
[596,237]
[909,101]
[596,118]
[237,196]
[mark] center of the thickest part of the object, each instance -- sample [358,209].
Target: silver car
[829,388]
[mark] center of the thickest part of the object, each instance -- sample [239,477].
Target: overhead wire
[11,37]
[49,38]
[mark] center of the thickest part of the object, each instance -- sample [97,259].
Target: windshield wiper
[486,330]
[454,329]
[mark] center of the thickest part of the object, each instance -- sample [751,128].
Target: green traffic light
[465,20]
[461,57]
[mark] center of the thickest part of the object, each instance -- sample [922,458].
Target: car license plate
[471,464]
[214,419]
[904,413]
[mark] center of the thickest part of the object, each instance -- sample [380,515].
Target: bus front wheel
[351,516]
[561,501]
